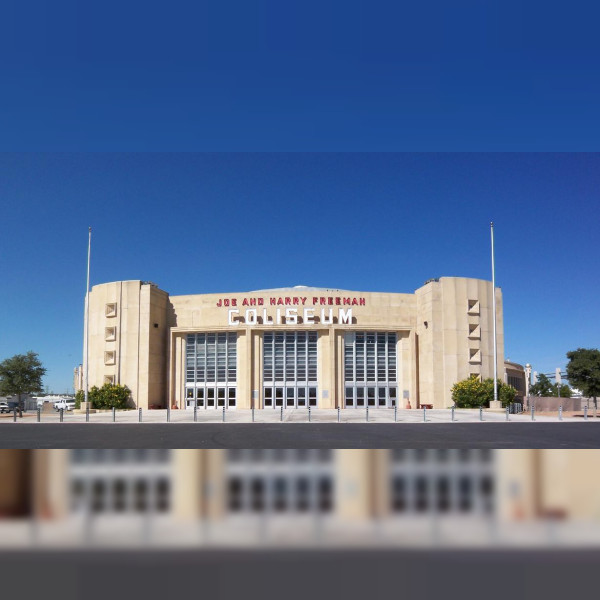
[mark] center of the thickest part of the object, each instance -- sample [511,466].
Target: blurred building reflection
[241,496]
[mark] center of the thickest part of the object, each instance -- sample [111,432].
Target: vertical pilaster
[245,365]
[214,491]
[353,499]
[58,483]
[187,469]
[516,490]
[326,368]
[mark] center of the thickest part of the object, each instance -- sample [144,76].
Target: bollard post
[87,413]
[424,414]
[507,413]
[395,413]
[14,415]
[253,414]
[452,409]
[195,413]
[309,413]
[223,414]
[140,414]
[585,410]
[338,414]
[62,410]
[168,413]
[367,414]
[114,414]
[532,412]
[39,415]
[560,413]
[481,413]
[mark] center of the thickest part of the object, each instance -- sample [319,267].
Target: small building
[514,374]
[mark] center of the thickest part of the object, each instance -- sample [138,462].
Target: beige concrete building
[293,347]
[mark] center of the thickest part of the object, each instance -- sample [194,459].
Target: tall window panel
[211,370]
[120,481]
[370,370]
[444,481]
[290,369]
[280,481]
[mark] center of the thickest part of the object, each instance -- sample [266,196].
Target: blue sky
[359,77]
[316,75]
[224,222]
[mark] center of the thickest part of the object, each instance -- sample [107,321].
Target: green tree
[108,396]
[21,374]
[543,387]
[561,390]
[583,371]
[473,393]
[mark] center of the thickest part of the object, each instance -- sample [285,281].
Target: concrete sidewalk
[296,415]
[289,532]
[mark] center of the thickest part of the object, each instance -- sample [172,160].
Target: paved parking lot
[301,435]
[298,575]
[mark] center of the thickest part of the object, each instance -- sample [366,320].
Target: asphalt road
[300,435]
[300,575]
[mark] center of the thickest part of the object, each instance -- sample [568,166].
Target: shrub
[108,396]
[473,393]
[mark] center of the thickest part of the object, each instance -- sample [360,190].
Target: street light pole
[494,310]
[86,320]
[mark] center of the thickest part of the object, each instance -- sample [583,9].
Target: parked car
[4,407]
[64,404]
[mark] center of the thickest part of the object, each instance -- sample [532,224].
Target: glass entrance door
[211,397]
[290,397]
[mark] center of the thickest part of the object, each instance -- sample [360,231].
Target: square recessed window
[473,307]
[474,355]
[109,379]
[110,334]
[474,331]
[111,309]
[110,358]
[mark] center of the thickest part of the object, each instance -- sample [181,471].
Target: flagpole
[86,319]
[494,310]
